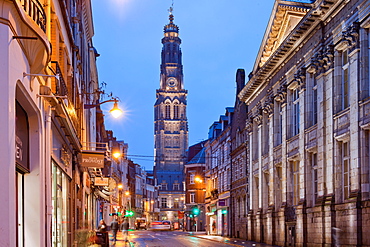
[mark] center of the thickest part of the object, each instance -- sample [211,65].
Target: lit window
[192,178]
[192,197]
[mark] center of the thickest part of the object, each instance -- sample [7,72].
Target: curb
[214,240]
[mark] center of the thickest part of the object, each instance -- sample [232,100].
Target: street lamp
[115,111]
[120,187]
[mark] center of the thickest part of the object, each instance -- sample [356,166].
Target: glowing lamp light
[116,112]
[120,186]
[198,180]
[116,155]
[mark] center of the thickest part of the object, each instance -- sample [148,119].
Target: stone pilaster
[354,119]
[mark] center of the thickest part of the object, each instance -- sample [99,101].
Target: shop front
[61,168]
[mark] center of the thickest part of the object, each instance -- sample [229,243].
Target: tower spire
[170,10]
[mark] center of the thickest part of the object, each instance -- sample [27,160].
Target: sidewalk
[230,241]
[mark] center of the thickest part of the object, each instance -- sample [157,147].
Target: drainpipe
[47,143]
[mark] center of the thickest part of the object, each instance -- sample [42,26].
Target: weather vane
[171,8]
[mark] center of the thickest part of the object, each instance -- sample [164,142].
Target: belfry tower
[170,125]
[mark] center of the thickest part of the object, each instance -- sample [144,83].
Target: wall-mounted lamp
[115,111]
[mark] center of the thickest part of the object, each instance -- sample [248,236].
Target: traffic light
[129,213]
[196,211]
[112,214]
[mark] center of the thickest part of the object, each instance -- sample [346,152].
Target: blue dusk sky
[218,37]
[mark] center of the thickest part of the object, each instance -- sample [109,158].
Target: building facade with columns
[308,125]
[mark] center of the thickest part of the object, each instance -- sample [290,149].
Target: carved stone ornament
[258,119]
[300,77]
[322,60]
[349,37]
[280,96]
[249,125]
[268,107]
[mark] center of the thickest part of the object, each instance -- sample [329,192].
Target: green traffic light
[196,211]
[129,213]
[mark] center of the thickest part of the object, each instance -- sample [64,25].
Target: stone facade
[170,126]
[238,154]
[308,126]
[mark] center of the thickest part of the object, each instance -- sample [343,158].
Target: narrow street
[178,239]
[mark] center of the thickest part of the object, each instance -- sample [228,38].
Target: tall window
[163,202]
[295,112]
[278,124]
[346,169]
[168,111]
[314,102]
[267,189]
[345,80]
[278,185]
[192,178]
[192,197]
[176,203]
[315,182]
[176,111]
[265,135]
[295,185]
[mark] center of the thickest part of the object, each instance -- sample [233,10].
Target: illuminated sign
[92,159]
[99,181]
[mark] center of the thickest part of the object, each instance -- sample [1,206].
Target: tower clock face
[171,82]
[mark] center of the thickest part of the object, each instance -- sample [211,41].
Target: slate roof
[199,158]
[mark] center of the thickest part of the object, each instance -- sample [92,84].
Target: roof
[199,158]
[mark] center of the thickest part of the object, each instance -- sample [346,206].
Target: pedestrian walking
[114,226]
[125,226]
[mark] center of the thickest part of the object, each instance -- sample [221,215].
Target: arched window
[168,111]
[176,111]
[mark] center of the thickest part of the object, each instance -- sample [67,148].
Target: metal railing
[95,146]
[58,87]
[34,9]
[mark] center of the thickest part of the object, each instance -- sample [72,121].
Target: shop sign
[221,202]
[21,138]
[100,181]
[180,214]
[92,159]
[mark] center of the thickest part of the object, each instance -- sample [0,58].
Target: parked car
[140,223]
[161,225]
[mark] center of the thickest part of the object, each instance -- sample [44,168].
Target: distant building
[170,127]
[194,213]
[238,155]
[218,175]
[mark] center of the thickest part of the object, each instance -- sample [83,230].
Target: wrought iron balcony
[34,9]
[58,87]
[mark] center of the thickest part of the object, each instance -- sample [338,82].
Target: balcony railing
[58,87]
[35,10]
